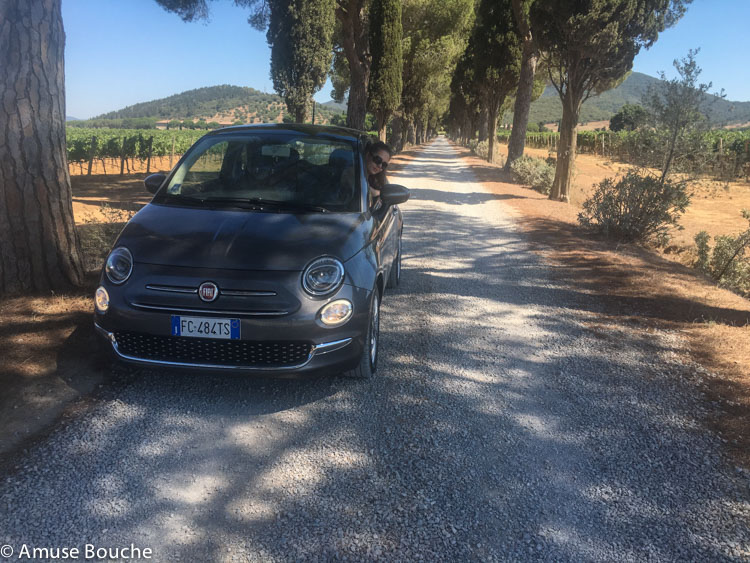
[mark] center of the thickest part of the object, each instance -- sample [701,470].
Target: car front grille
[196,351]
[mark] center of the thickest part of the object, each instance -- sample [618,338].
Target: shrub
[726,264]
[482,150]
[535,172]
[635,208]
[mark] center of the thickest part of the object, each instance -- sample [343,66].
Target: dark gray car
[261,250]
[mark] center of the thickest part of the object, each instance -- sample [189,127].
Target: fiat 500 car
[261,250]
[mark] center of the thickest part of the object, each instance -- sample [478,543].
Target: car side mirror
[392,194]
[154,182]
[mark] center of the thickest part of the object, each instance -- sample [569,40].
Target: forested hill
[223,103]
[201,102]
[598,108]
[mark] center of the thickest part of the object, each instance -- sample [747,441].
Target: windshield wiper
[299,206]
[243,202]
[177,198]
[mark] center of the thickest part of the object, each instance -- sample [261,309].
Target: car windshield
[290,172]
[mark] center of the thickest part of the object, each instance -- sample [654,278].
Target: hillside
[598,108]
[223,104]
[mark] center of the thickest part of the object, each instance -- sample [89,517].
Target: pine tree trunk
[492,112]
[484,118]
[411,133]
[517,141]
[355,43]
[397,135]
[566,150]
[356,108]
[39,248]
[382,118]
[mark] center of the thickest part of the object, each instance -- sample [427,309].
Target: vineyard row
[724,154]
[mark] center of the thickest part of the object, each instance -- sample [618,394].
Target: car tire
[394,278]
[368,362]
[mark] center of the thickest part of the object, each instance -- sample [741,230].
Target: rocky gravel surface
[505,424]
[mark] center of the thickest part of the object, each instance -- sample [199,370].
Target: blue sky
[121,52]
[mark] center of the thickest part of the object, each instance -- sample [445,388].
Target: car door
[386,217]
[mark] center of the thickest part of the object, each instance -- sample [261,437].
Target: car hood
[239,239]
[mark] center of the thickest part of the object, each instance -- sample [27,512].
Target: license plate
[202,327]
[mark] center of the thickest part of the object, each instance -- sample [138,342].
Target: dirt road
[500,427]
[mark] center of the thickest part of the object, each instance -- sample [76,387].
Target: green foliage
[534,172]
[492,59]
[300,33]
[629,118]
[677,107]
[434,36]
[201,101]
[635,208]
[589,48]
[727,263]
[385,86]
[721,153]
[130,143]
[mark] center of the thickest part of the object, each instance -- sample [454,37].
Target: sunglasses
[379,161]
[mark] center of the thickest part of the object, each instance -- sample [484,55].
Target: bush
[535,172]
[635,208]
[482,149]
[726,264]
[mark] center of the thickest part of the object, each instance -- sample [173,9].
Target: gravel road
[501,427]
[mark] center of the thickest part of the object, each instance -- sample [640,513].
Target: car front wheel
[368,362]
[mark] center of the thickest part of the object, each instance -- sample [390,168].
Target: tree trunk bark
[397,136]
[566,150]
[492,112]
[517,141]
[412,133]
[484,118]
[39,247]
[300,113]
[382,118]
[356,108]
[355,43]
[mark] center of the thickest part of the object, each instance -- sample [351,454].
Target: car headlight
[101,299]
[119,265]
[323,276]
[336,312]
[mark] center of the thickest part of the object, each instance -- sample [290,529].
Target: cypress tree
[495,51]
[300,33]
[384,94]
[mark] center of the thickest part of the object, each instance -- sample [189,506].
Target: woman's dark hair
[376,146]
[377,180]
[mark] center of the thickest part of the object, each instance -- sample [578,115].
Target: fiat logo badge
[208,291]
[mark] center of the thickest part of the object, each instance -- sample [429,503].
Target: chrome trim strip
[229,292]
[326,347]
[246,293]
[210,312]
[316,349]
[170,289]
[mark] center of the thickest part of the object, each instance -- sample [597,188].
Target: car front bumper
[281,333]
[312,362]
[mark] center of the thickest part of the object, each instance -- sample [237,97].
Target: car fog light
[336,312]
[101,299]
